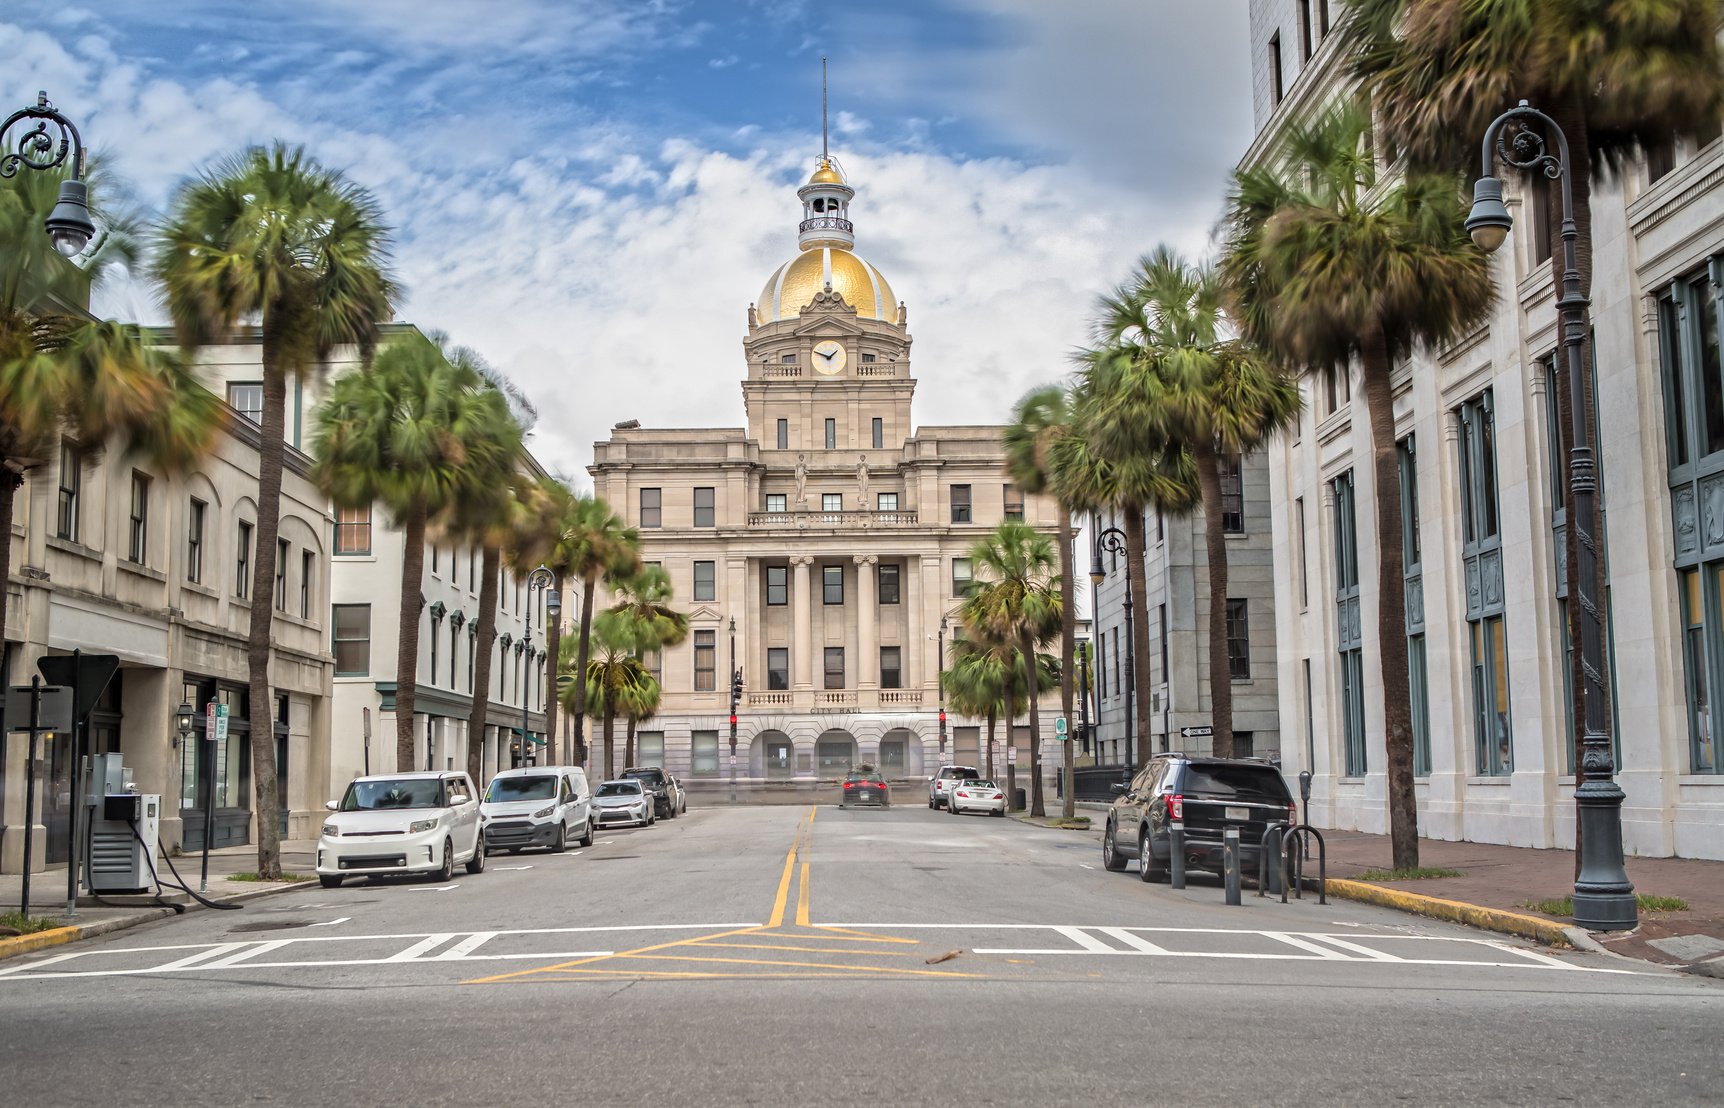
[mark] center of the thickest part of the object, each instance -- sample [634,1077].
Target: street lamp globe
[185,718]
[69,226]
[1489,221]
[553,605]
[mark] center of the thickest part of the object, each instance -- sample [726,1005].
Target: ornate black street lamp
[735,699]
[68,225]
[941,675]
[1603,896]
[1112,540]
[540,578]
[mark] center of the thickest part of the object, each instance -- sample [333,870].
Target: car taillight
[1292,813]
[1175,806]
[850,784]
[962,793]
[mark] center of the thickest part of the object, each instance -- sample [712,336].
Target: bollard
[1230,864]
[1272,857]
[1176,854]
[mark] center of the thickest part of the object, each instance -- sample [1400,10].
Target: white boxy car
[537,806]
[402,823]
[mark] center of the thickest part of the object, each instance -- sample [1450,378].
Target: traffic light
[735,688]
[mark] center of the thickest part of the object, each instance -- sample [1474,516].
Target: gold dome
[794,284]
[826,174]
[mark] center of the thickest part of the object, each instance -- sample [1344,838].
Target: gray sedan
[623,802]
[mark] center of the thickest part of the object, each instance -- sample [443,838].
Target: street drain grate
[270,925]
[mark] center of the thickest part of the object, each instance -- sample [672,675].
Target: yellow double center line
[774,927]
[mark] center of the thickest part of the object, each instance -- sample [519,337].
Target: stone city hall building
[819,548]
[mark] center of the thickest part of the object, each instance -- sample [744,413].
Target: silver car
[940,788]
[623,802]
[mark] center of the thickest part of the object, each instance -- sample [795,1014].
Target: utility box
[117,860]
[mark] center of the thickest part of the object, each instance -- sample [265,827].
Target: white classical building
[1481,465]
[824,548]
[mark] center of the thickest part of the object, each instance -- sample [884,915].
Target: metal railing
[826,223]
[805,519]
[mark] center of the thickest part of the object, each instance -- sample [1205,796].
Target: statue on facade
[801,481]
[862,480]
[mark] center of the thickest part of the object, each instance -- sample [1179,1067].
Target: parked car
[402,823]
[980,795]
[537,806]
[624,801]
[668,799]
[1208,795]
[942,782]
[865,787]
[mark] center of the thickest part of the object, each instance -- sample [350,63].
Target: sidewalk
[1509,877]
[48,888]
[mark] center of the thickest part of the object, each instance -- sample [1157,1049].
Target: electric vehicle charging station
[120,846]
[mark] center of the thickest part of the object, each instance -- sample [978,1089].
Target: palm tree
[588,543]
[643,602]
[1018,601]
[1204,388]
[272,236]
[418,432]
[639,703]
[1619,79]
[64,373]
[1148,470]
[1039,420]
[613,679]
[975,683]
[1328,266]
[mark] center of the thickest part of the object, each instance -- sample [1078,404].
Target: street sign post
[35,708]
[215,734]
[1060,728]
[365,729]
[1197,732]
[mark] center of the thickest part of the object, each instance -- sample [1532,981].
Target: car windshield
[371,796]
[619,788]
[537,787]
[959,773]
[870,778]
[650,776]
[978,783]
[1247,782]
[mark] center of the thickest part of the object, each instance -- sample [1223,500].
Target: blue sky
[570,179]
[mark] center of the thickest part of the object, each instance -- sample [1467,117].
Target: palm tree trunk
[586,642]
[484,639]
[554,638]
[1068,655]
[1037,808]
[610,745]
[1391,603]
[1137,579]
[272,448]
[993,720]
[629,744]
[1215,541]
[1570,115]
[1011,721]
[407,637]
[10,481]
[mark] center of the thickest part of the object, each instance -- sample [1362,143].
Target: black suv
[668,801]
[1208,795]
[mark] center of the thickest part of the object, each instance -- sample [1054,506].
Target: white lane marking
[28,965]
[439,889]
[1534,955]
[332,922]
[220,951]
[242,955]
[1083,939]
[1086,865]
[423,946]
[506,868]
[1376,955]
[573,854]
[1309,947]
[467,946]
[1136,942]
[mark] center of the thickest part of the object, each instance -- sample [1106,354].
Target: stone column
[802,641]
[916,647]
[867,623]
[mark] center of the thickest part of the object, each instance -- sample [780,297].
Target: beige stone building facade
[822,549]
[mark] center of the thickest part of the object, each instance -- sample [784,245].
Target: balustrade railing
[895,518]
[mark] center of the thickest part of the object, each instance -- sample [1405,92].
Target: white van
[537,806]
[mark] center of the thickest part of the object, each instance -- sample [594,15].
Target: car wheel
[514,850]
[448,869]
[1111,859]
[1001,812]
[329,880]
[476,864]
[1147,870]
[930,803]
[561,842]
[587,835]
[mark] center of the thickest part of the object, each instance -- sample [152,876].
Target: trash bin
[1020,800]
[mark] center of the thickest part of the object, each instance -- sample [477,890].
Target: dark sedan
[865,788]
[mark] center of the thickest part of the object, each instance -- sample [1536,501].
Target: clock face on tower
[829,357]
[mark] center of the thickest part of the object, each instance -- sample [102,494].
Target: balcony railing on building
[806,519]
[826,223]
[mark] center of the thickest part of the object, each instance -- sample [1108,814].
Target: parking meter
[1305,796]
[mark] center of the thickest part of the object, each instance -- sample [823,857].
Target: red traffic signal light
[733,719]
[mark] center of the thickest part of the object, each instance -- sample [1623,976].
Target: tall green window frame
[1413,559]
[1349,640]
[1481,555]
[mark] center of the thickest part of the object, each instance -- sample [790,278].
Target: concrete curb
[12,947]
[1548,932]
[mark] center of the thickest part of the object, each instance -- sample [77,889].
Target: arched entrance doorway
[772,755]
[834,754]
[900,753]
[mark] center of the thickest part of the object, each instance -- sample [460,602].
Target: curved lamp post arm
[69,224]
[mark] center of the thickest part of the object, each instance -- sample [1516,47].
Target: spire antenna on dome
[825,155]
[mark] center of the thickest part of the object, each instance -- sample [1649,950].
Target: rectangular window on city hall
[832,584]
[704,502]
[704,581]
[891,669]
[705,660]
[889,583]
[777,668]
[652,508]
[777,585]
[352,637]
[704,754]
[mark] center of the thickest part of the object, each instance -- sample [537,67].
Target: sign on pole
[54,713]
[1197,732]
[1060,727]
[215,719]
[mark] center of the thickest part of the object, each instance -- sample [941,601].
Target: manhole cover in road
[270,925]
[616,857]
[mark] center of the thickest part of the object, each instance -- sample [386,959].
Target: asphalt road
[788,956]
